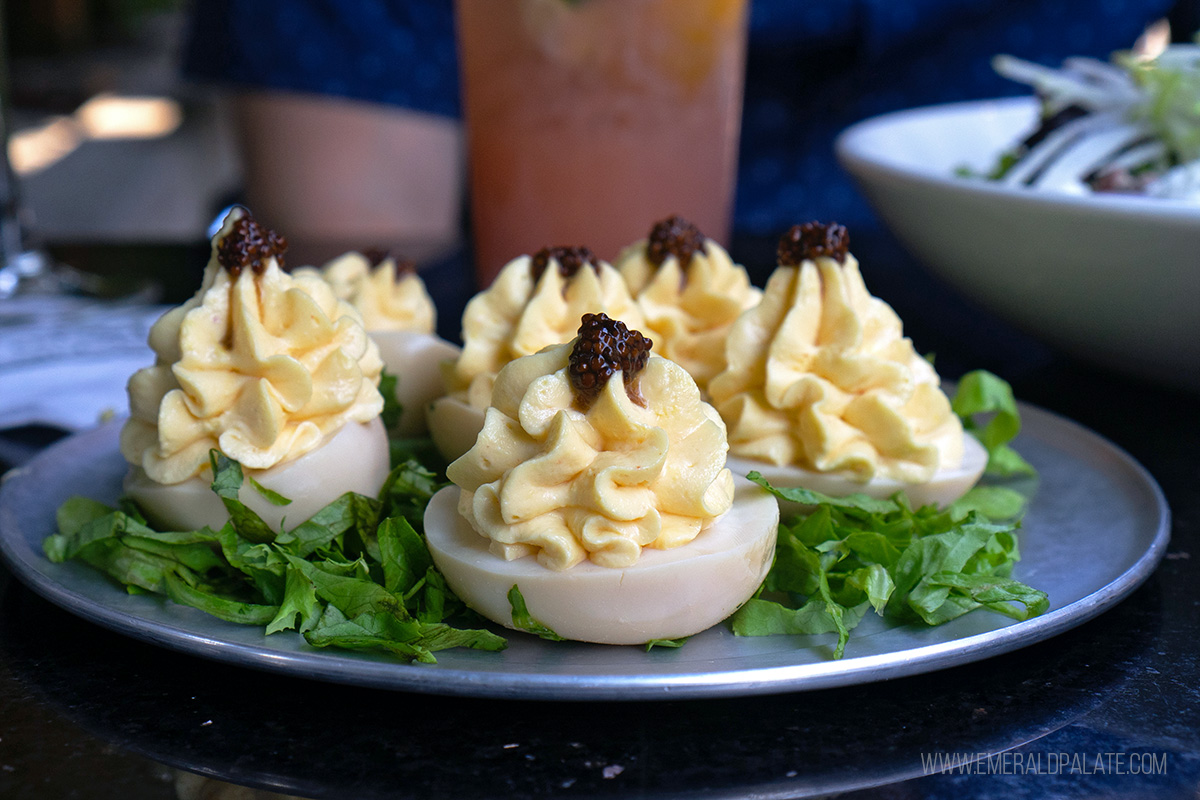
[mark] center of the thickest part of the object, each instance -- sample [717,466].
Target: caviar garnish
[570,260]
[377,255]
[811,240]
[674,236]
[604,346]
[249,244]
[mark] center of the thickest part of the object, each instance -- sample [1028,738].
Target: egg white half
[355,459]
[667,594]
[415,359]
[946,485]
[454,425]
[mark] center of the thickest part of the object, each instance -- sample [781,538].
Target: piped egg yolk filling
[527,309]
[641,466]
[388,296]
[258,364]
[820,376]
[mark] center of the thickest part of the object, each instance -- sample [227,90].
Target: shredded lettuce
[524,621]
[985,404]
[392,408]
[271,496]
[851,555]
[420,449]
[357,575]
[668,643]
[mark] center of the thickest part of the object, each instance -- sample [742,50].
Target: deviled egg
[534,302]
[823,391]
[689,291]
[598,488]
[400,317]
[270,369]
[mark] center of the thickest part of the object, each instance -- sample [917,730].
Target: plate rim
[456,681]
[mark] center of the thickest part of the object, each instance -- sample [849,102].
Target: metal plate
[1097,527]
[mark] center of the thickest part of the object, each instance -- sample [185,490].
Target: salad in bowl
[1073,214]
[1129,126]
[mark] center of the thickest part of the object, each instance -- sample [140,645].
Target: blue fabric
[399,52]
[876,56]
[814,67]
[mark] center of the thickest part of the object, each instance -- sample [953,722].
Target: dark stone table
[1109,709]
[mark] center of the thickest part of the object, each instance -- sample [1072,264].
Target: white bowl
[1112,278]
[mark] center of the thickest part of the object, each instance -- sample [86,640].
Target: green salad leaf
[407,491]
[270,495]
[668,643]
[392,408]
[988,410]
[993,502]
[419,449]
[179,590]
[1004,164]
[847,556]
[524,621]
[356,575]
[227,483]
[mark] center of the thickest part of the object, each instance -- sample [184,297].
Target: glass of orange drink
[588,120]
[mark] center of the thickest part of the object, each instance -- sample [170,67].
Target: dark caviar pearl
[605,346]
[249,244]
[377,255]
[674,236]
[570,260]
[811,240]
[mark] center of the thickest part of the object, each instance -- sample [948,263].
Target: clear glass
[23,267]
[588,120]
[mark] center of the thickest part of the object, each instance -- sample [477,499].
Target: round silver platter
[1097,527]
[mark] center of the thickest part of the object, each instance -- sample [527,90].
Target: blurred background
[133,122]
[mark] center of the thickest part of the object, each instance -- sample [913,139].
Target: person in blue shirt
[813,68]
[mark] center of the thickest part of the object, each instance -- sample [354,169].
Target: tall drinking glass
[588,120]
[24,267]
